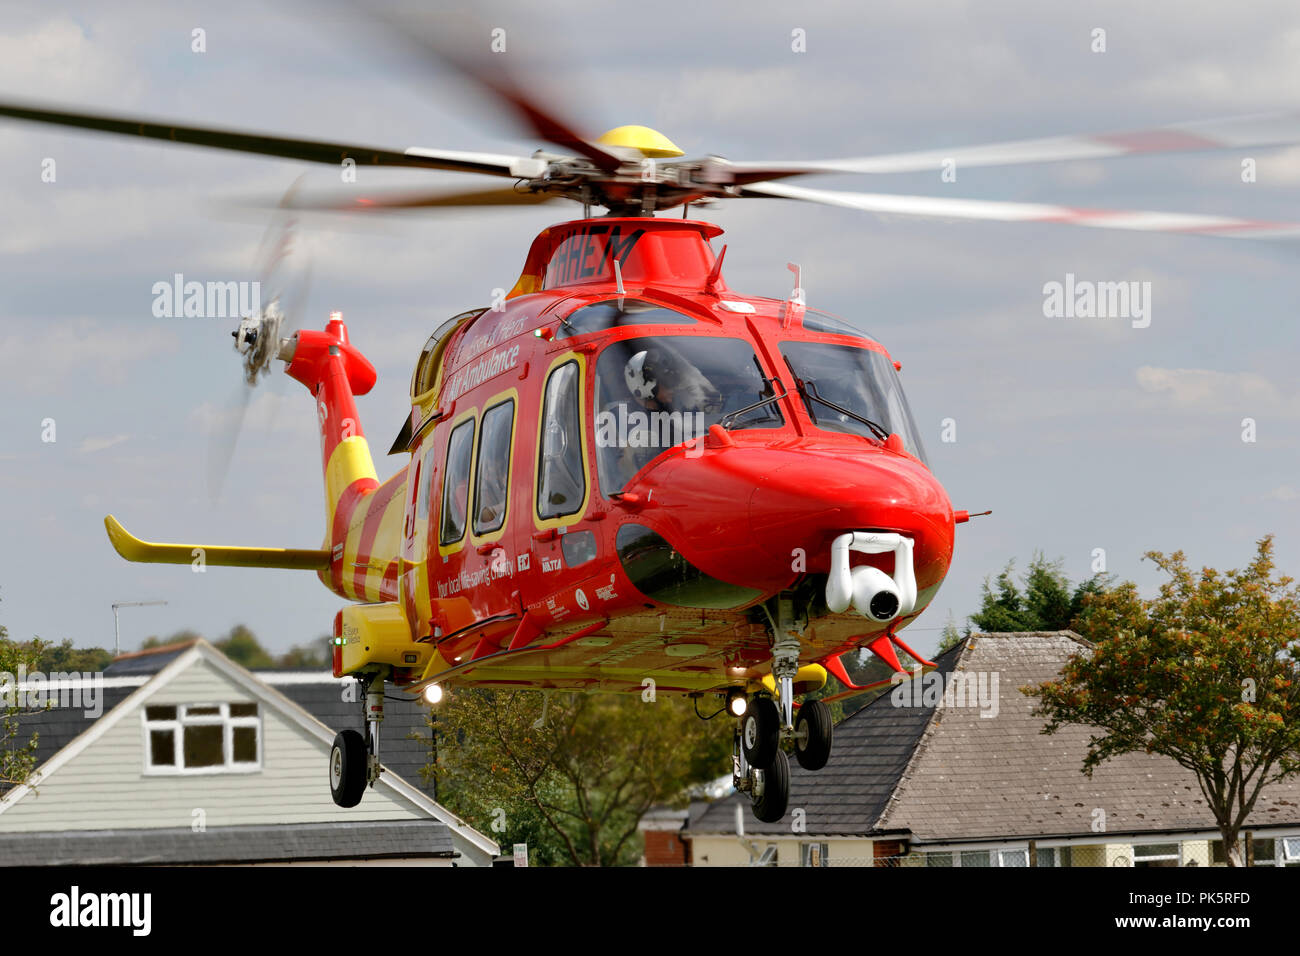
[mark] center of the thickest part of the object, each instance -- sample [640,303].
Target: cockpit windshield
[654,393]
[850,389]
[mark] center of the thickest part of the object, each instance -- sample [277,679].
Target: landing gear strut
[759,766]
[354,759]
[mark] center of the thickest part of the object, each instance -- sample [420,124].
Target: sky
[1079,433]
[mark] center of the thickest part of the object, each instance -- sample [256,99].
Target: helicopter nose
[757,515]
[806,503]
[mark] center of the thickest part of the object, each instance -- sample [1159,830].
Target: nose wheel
[760,733]
[769,786]
[812,735]
[354,758]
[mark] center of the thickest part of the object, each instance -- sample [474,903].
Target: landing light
[737,705]
[433,693]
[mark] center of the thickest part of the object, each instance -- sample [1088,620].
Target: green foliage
[950,637]
[17,757]
[180,637]
[1207,673]
[317,653]
[64,658]
[574,786]
[1045,604]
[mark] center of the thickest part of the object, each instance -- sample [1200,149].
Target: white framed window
[1054,856]
[1157,854]
[1012,856]
[813,854]
[202,738]
[1290,855]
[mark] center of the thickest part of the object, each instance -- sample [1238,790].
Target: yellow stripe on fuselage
[349,461]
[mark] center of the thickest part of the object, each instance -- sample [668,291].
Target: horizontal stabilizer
[148,552]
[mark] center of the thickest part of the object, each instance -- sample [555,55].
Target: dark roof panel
[245,844]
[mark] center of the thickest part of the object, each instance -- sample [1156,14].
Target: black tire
[760,732]
[770,807]
[813,749]
[348,760]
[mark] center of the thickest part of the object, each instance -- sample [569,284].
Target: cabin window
[654,393]
[562,482]
[455,482]
[424,476]
[202,738]
[861,382]
[493,478]
[578,547]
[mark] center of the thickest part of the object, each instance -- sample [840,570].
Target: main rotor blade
[451,47]
[978,209]
[1236,132]
[307,150]
[424,199]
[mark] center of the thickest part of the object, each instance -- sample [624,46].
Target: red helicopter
[625,476]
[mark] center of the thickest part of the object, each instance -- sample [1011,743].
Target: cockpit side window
[656,392]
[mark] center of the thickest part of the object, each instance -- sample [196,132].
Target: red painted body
[755,507]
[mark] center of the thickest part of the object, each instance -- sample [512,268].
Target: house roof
[948,774]
[138,687]
[284,843]
[974,777]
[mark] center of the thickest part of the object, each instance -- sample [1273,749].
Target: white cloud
[1202,387]
[93,444]
[58,59]
[45,358]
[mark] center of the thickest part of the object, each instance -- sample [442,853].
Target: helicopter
[624,474]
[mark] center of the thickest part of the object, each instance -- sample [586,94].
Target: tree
[64,658]
[950,637]
[571,776]
[1207,673]
[179,637]
[243,647]
[17,758]
[318,653]
[1045,604]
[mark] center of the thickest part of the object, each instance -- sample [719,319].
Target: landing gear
[760,733]
[812,735]
[354,759]
[773,790]
[768,787]
[348,764]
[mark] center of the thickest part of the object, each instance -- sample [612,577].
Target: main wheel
[348,762]
[812,735]
[770,807]
[760,732]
